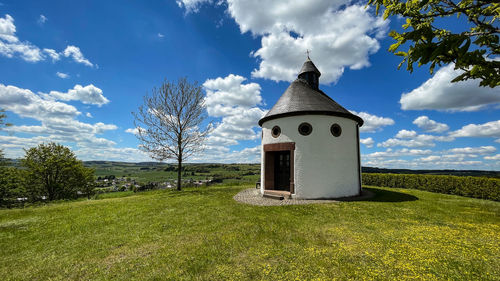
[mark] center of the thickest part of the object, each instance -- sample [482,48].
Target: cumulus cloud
[11,46]
[489,129]
[75,53]
[62,75]
[89,115]
[57,122]
[55,56]
[411,139]
[440,94]
[373,123]
[339,35]
[28,104]
[225,94]
[473,150]
[494,157]
[405,134]
[426,159]
[236,104]
[367,141]
[431,126]
[89,94]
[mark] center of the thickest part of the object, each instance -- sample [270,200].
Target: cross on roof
[307,52]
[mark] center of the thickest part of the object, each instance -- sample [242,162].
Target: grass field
[146,172]
[204,234]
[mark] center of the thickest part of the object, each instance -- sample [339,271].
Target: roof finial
[307,52]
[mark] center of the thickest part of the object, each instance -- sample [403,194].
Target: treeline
[48,172]
[475,187]
[472,173]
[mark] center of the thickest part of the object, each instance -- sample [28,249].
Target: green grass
[146,172]
[204,234]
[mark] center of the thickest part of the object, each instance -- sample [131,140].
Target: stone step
[273,196]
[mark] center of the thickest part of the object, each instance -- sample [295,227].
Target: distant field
[203,234]
[146,172]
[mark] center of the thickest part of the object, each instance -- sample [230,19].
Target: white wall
[325,166]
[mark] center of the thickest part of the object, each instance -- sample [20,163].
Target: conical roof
[309,66]
[301,99]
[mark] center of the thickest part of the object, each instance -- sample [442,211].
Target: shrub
[475,187]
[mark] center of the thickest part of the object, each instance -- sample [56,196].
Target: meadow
[203,234]
[151,171]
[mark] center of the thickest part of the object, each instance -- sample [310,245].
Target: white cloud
[55,56]
[237,104]
[57,123]
[27,104]
[160,35]
[489,129]
[405,134]
[191,5]
[473,150]
[412,140]
[134,131]
[372,122]
[440,94]
[62,75]
[42,19]
[367,141]
[225,94]
[398,153]
[89,94]
[75,53]
[10,45]
[428,125]
[339,35]
[495,157]
[89,115]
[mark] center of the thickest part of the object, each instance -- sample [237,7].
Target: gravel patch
[252,196]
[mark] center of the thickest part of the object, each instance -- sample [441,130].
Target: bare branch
[169,122]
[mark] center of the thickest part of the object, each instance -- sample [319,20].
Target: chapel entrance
[282,170]
[278,167]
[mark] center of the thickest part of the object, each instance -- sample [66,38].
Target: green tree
[11,185]
[54,171]
[3,116]
[474,50]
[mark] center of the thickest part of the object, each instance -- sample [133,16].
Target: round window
[276,131]
[305,129]
[335,130]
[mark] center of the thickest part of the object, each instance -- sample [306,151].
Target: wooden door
[282,170]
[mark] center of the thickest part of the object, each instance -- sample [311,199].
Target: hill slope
[204,234]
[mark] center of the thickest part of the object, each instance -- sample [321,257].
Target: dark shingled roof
[301,99]
[309,66]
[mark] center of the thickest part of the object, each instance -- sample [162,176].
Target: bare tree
[168,123]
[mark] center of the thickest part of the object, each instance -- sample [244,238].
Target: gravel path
[252,196]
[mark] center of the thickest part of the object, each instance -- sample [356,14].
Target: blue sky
[72,72]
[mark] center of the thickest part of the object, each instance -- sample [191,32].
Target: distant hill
[109,164]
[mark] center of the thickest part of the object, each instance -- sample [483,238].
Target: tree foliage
[53,171]
[168,123]
[12,185]
[3,116]
[476,187]
[474,50]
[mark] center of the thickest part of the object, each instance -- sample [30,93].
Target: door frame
[269,163]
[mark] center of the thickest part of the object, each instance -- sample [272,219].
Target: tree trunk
[179,168]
